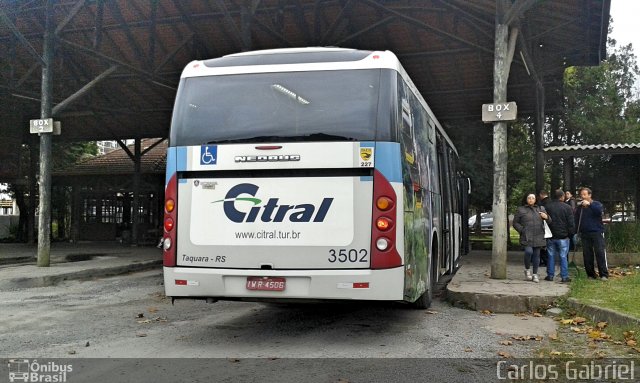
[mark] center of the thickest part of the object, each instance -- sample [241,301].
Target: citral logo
[272,211]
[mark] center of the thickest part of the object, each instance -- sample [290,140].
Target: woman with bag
[530,223]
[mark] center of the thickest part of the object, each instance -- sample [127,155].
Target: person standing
[570,200]
[562,227]
[588,218]
[543,199]
[528,223]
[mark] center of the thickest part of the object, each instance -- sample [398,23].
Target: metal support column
[44,207]
[539,137]
[136,191]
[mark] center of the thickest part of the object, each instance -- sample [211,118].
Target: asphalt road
[129,317]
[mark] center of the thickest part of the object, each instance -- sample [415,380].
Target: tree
[64,154]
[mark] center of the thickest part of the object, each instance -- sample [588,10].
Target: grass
[623,237]
[484,240]
[619,293]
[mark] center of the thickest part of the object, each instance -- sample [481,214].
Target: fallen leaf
[520,314]
[537,315]
[594,334]
[506,342]
[602,325]
[485,312]
[152,309]
[637,349]
[553,336]
[579,320]
[144,321]
[538,338]
[431,312]
[504,354]
[632,343]
[468,349]
[579,330]
[569,354]
[555,353]
[566,321]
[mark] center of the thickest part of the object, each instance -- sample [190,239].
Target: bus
[308,174]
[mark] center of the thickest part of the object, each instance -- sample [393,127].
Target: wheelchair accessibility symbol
[208,155]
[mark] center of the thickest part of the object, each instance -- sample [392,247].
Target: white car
[486,221]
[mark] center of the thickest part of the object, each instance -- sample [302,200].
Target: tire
[425,300]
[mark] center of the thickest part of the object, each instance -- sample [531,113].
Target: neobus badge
[273,158]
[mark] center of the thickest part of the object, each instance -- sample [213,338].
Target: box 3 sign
[502,111]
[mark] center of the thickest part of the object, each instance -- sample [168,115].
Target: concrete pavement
[470,286]
[72,261]
[473,287]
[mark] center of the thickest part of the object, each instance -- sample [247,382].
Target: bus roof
[303,60]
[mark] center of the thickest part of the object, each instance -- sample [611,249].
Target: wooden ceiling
[136,49]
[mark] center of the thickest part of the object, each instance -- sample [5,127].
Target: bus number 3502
[348,255]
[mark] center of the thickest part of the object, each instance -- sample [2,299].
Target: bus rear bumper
[365,284]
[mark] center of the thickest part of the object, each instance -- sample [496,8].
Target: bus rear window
[292,106]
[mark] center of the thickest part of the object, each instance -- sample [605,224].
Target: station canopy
[121,59]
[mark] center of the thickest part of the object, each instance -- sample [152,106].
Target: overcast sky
[625,22]
[626,26]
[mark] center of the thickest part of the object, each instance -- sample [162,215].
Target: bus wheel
[424,302]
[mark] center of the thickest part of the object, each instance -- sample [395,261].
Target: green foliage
[475,143]
[623,237]
[599,102]
[521,162]
[66,154]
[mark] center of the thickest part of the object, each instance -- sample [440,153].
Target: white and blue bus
[309,173]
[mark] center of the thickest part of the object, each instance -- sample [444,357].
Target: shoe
[604,279]
[566,280]
[548,278]
[527,275]
[535,278]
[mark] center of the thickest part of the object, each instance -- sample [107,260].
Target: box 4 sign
[501,111]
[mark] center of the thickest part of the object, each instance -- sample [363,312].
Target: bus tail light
[384,224]
[170,218]
[384,254]
[384,203]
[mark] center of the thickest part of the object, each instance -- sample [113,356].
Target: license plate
[266,283]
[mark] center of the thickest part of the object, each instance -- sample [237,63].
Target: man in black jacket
[562,227]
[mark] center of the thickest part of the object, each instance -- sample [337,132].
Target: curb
[52,280]
[16,260]
[600,314]
[499,303]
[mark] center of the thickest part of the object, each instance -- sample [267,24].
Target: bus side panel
[415,136]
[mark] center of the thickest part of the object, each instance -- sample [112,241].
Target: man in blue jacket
[588,217]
